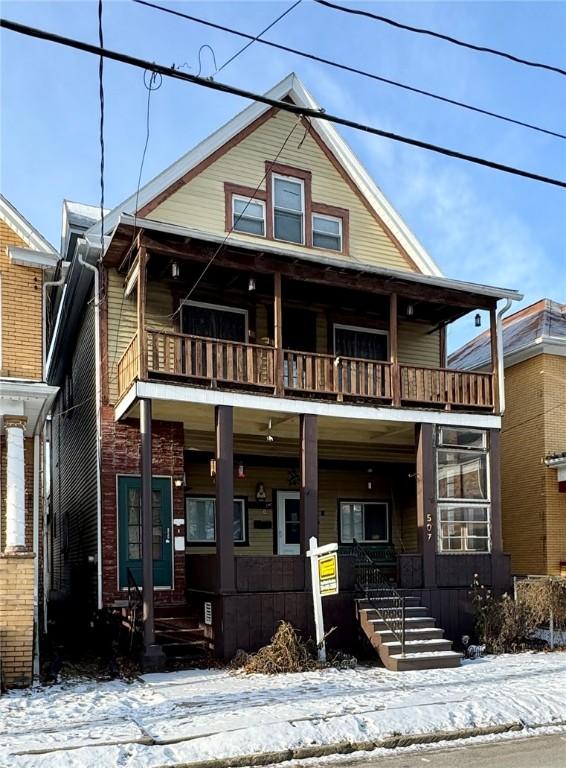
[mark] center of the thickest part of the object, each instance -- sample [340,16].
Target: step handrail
[370,580]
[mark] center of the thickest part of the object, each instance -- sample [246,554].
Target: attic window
[248,215]
[327,232]
[288,209]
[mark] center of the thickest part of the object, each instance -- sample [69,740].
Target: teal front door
[130,534]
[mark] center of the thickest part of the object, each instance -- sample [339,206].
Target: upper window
[327,232]
[364,521]
[213,321]
[288,209]
[363,343]
[201,520]
[248,215]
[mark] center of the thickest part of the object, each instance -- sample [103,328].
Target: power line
[348,68]
[440,36]
[101,100]
[263,31]
[284,106]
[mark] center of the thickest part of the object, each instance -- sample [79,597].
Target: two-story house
[27,262]
[533,434]
[266,340]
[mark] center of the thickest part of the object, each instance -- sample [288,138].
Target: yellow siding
[200,203]
[21,318]
[417,346]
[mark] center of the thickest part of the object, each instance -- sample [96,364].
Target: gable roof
[21,226]
[538,328]
[289,88]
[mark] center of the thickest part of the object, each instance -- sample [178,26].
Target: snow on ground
[205,714]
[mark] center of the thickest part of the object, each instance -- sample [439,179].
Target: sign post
[324,577]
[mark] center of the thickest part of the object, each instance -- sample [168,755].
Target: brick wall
[21,320]
[121,456]
[16,619]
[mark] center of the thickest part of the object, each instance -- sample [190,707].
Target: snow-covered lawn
[206,714]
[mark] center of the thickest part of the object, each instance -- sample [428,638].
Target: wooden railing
[198,357]
[327,374]
[446,387]
[128,366]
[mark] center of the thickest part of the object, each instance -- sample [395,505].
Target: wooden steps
[179,633]
[425,644]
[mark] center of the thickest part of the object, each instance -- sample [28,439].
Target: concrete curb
[348,747]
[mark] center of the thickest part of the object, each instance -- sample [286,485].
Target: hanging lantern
[370,479]
[213,468]
[241,471]
[477,320]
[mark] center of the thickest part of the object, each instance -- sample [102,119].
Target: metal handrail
[369,581]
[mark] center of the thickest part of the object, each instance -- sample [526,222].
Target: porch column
[426,506]
[494,436]
[278,332]
[14,427]
[141,301]
[153,657]
[494,357]
[393,351]
[309,480]
[224,418]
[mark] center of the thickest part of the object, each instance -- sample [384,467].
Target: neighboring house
[283,380]
[26,261]
[533,435]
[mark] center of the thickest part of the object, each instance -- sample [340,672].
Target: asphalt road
[532,752]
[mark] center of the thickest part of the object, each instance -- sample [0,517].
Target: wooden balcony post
[224,419]
[141,301]
[309,480]
[426,507]
[278,333]
[494,358]
[394,351]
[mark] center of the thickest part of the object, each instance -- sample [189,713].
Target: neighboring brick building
[25,263]
[533,436]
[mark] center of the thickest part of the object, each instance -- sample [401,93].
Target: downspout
[500,358]
[35,531]
[88,247]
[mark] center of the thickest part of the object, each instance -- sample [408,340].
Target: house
[533,435]
[266,340]
[27,262]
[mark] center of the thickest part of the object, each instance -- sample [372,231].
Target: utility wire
[101,100]
[348,68]
[263,31]
[284,106]
[440,36]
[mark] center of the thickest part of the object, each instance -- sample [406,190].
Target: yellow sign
[328,574]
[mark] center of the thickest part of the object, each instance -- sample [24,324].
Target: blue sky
[478,224]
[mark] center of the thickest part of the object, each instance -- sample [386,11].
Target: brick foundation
[121,456]
[16,619]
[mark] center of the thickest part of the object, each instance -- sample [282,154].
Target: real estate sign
[328,574]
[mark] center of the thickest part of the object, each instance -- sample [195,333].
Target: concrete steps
[425,644]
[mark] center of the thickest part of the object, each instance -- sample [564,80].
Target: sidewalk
[199,716]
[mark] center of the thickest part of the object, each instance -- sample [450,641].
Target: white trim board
[293,88]
[197,395]
[10,215]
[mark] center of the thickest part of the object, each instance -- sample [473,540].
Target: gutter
[500,354]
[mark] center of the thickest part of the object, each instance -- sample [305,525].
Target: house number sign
[428,526]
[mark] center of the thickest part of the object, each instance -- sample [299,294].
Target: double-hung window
[288,209]
[326,232]
[248,215]
[201,520]
[462,484]
[364,521]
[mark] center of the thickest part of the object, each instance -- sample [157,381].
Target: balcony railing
[222,363]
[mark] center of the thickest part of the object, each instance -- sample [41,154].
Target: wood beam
[141,302]
[394,350]
[426,508]
[494,358]
[278,332]
[309,479]
[224,424]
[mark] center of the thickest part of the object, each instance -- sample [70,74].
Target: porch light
[251,284]
[213,467]
[175,270]
[410,310]
[370,479]
[477,320]
[241,471]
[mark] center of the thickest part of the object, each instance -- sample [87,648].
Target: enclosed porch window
[201,520]
[365,521]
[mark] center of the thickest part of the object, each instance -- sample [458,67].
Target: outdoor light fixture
[370,479]
[179,482]
[251,284]
[260,493]
[410,310]
[213,467]
[241,471]
[477,320]
[175,270]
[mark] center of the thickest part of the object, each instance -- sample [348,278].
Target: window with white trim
[327,232]
[365,521]
[462,489]
[288,209]
[248,215]
[200,512]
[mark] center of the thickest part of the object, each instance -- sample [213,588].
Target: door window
[214,322]
[350,341]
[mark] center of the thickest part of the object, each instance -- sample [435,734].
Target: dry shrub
[543,597]
[287,653]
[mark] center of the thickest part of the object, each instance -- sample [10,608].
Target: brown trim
[141,303]
[394,350]
[224,428]
[309,480]
[426,508]
[230,190]
[212,158]
[298,173]
[338,213]
[442,346]
[347,178]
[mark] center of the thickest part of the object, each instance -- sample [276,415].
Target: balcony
[201,361]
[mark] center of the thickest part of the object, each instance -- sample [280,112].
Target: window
[327,232]
[364,343]
[201,520]
[248,215]
[215,322]
[364,521]
[288,209]
[462,483]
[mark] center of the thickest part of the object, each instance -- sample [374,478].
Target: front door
[129,531]
[288,523]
